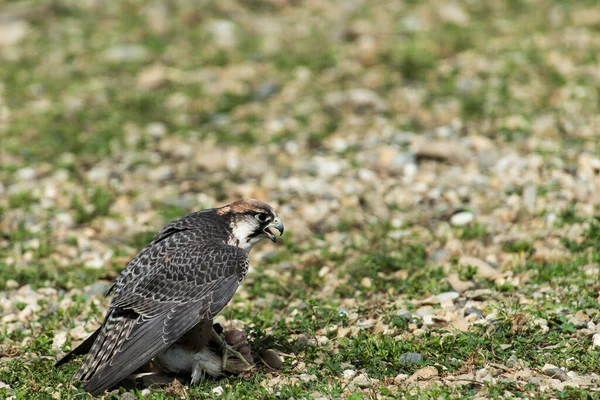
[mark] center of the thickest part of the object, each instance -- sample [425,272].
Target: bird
[193,355]
[175,285]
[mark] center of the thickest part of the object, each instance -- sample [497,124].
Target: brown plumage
[183,278]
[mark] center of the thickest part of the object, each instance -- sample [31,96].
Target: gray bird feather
[187,274]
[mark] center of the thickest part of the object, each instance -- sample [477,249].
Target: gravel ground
[436,165]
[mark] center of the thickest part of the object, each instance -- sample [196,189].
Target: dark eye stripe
[262,217]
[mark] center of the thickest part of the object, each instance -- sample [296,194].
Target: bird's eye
[262,217]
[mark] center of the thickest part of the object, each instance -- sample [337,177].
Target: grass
[475,231]
[100,200]
[247,117]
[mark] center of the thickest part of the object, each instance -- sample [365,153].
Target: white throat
[242,239]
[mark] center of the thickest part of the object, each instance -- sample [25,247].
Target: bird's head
[251,221]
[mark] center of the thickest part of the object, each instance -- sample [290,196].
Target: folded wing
[180,281]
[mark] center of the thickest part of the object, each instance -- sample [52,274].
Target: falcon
[167,296]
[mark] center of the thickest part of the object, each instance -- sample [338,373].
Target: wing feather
[179,282]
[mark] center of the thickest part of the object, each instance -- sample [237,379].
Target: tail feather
[109,336]
[115,336]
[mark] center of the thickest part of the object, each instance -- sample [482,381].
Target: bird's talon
[239,345]
[232,350]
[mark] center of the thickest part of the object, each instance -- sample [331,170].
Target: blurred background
[407,146]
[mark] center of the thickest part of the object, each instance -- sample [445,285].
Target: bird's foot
[231,349]
[237,356]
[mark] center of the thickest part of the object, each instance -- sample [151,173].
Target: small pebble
[25,174]
[425,311]
[484,269]
[449,151]
[462,218]
[530,197]
[579,319]
[362,381]
[305,340]
[447,299]
[555,372]
[479,294]
[400,378]
[481,373]
[125,53]
[78,333]
[473,310]
[349,374]
[410,359]
[458,284]
[439,256]
[272,359]
[97,289]
[513,362]
[5,386]
[424,374]
[535,380]
[11,284]
[307,377]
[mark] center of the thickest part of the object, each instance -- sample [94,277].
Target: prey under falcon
[176,284]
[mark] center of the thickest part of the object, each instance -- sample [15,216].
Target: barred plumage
[185,276]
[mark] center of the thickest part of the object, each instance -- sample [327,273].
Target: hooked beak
[277,224]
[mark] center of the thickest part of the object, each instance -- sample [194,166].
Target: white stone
[223,33]
[25,174]
[161,173]
[59,339]
[451,12]
[446,299]
[484,269]
[125,53]
[366,175]
[462,218]
[550,220]
[349,374]
[93,261]
[78,333]
[326,167]
[12,32]
[358,99]
[423,374]
[596,340]
[424,311]
[307,377]
[530,197]
[362,381]
[156,129]
[11,284]
[543,324]
[7,387]
[152,77]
